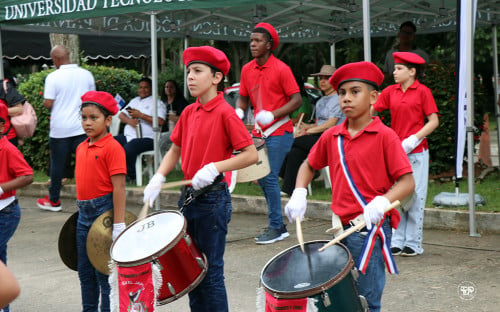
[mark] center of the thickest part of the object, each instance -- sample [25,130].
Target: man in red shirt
[270,86]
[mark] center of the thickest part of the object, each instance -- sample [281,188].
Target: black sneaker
[395,251]
[284,232]
[269,236]
[408,252]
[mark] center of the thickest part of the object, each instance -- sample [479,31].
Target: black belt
[189,194]
[8,208]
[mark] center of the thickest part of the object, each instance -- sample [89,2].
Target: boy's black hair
[419,70]
[146,79]
[264,31]
[408,24]
[103,110]
[2,120]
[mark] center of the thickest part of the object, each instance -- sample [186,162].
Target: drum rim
[313,291]
[157,254]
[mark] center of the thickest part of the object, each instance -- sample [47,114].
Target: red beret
[360,71]
[207,55]
[101,98]
[407,58]
[272,32]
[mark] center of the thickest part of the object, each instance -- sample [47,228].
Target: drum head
[291,274]
[152,236]
[67,243]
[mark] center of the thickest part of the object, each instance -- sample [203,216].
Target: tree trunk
[71,42]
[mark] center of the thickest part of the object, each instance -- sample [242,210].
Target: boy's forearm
[170,160]
[404,186]
[247,156]
[118,182]
[305,175]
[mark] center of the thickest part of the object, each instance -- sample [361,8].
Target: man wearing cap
[269,85]
[62,91]
[410,104]
[406,37]
[328,114]
[365,159]
[205,136]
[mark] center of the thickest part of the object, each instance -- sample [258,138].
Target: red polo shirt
[95,164]
[208,133]
[374,157]
[408,109]
[12,165]
[269,87]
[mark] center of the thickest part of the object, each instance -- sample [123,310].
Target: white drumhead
[146,237]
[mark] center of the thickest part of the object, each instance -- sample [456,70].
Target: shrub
[112,80]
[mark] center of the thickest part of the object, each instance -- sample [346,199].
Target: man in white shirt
[62,91]
[138,133]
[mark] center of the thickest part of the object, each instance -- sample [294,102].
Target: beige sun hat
[326,70]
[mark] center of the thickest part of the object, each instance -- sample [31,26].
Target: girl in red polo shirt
[100,171]
[410,102]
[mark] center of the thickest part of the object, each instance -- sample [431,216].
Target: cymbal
[99,239]
[67,243]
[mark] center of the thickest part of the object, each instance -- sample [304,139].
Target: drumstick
[175,183]
[144,211]
[299,233]
[355,228]
[300,121]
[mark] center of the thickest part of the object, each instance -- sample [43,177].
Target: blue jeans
[9,220]
[92,282]
[207,218]
[60,157]
[277,149]
[132,150]
[411,227]
[371,284]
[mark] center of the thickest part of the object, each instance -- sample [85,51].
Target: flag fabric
[120,101]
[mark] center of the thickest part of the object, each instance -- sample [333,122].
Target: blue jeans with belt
[371,284]
[207,218]
[92,283]
[277,148]
[9,220]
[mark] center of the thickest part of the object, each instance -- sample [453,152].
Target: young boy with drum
[100,171]
[14,173]
[205,136]
[365,160]
[410,102]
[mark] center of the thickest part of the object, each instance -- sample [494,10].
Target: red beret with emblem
[101,98]
[207,55]
[360,71]
[407,58]
[272,32]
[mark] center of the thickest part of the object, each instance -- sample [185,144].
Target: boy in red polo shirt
[366,160]
[270,86]
[100,171]
[410,103]
[14,173]
[205,136]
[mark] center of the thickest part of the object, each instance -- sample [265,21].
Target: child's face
[402,73]
[94,123]
[200,79]
[355,98]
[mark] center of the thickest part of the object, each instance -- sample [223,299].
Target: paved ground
[430,282]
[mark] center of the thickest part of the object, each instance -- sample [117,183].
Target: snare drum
[258,170]
[161,238]
[325,276]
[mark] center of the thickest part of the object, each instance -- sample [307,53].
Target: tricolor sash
[366,251]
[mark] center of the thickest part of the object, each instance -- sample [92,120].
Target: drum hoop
[313,291]
[160,252]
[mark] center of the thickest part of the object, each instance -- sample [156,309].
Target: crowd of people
[370,164]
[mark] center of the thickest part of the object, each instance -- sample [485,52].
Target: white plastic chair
[114,128]
[149,159]
[326,179]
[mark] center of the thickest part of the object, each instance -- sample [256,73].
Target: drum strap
[189,194]
[366,251]
[273,128]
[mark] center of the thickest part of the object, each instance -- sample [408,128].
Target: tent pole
[366,31]
[332,54]
[1,57]
[186,45]
[470,10]
[154,78]
[495,85]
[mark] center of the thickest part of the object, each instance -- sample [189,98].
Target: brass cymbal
[67,242]
[99,239]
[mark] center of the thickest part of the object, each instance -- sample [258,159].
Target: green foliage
[112,80]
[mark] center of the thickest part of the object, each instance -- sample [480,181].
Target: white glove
[240,113]
[1,190]
[117,229]
[205,176]
[153,188]
[410,143]
[296,206]
[375,210]
[264,117]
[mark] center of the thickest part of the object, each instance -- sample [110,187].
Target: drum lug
[326,299]
[171,288]
[160,267]
[200,262]
[355,274]
[364,303]
[188,240]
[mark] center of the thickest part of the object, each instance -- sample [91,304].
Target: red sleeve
[382,101]
[289,82]
[429,102]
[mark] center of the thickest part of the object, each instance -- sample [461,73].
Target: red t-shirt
[208,133]
[269,87]
[95,164]
[375,160]
[4,113]
[408,109]
[12,165]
